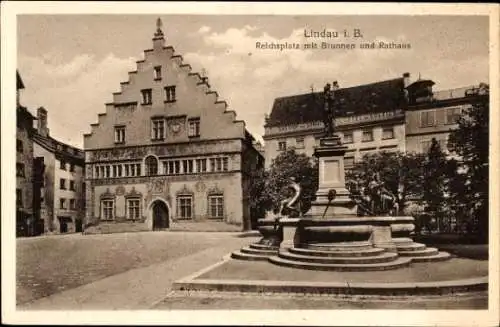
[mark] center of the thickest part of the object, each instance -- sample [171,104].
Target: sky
[71,64]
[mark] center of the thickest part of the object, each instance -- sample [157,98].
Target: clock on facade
[175,127]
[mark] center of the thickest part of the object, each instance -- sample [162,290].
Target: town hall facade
[167,150]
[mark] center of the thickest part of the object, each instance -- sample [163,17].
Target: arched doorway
[160,215]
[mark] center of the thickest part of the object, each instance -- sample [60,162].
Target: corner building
[167,151]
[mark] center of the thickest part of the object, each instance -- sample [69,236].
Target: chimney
[42,128]
[406,79]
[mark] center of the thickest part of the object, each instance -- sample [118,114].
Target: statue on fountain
[290,206]
[375,198]
[329,107]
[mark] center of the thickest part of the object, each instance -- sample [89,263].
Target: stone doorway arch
[160,215]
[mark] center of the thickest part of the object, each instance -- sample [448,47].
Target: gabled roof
[375,97]
[59,148]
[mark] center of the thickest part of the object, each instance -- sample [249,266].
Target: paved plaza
[113,271]
[138,270]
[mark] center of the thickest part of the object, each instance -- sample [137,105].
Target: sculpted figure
[289,204]
[329,107]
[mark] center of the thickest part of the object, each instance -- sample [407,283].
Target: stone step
[419,253]
[410,247]
[251,250]
[249,257]
[398,263]
[338,252]
[339,246]
[263,246]
[383,257]
[440,256]
[402,241]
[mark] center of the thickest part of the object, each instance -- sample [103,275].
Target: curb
[337,288]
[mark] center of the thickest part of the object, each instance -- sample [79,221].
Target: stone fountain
[331,236]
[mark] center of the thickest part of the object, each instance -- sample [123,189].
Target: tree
[470,142]
[272,186]
[258,201]
[434,182]
[400,173]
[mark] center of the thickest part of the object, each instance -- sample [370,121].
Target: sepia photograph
[332,164]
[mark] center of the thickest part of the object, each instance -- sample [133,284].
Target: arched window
[151,166]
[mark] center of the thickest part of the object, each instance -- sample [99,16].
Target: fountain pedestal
[330,155]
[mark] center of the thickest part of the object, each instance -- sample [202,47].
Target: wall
[355,150]
[166,188]
[51,192]
[417,136]
[25,184]
[193,99]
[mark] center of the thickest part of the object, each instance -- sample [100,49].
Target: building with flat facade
[167,151]
[435,114]
[58,179]
[391,115]
[26,224]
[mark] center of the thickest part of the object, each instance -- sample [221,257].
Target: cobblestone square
[49,265]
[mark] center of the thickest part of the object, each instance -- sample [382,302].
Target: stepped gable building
[59,181]
[370,118]
[25,219]
[167,151]
[392,115]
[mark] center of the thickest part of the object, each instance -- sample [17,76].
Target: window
[173,167]
[151,166]
[187,166]
[138,169]
[201,165]
[348,138]
[117,170]
[62,203]
[194,128]
[20,169]
[185,206]
[157,73]
[158,129]
[170,93]
[225,164]
[119,134]
[108,171]
[147,96]
[62,165]
[133,209]
[19,197]
[62,184]
[72,185]
[299,142]
[367,136]
[427,118]
[72,204]
[72,168]
[108,208]
[219,164]
[452,115]
[387,133]
[19,146]
[216,206]
[282,146]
